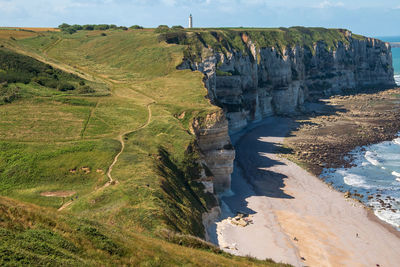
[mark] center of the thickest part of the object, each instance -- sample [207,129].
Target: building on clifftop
[190,21]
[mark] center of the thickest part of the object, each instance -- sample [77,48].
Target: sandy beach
[294,217]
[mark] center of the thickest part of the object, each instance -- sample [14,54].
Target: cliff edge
[255,73]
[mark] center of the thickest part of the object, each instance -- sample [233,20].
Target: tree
[64,25]
[136,27]
[177,27]
[162,29]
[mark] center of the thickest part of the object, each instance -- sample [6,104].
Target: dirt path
[111,180]
[121,139]
[93,77]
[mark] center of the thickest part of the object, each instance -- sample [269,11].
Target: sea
[375,175]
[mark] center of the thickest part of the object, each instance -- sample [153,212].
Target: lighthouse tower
[190,21]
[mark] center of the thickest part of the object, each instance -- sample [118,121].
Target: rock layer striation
[258,82]
[263,81]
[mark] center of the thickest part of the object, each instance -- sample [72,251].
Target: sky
[367,17]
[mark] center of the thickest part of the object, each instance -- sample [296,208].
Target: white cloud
[327,4]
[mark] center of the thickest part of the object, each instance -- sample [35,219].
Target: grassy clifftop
[227,39]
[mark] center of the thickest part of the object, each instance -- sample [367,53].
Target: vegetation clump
[88,27]
[17,68]
[162,29]
[8,93]
[136,27]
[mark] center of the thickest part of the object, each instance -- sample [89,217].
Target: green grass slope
[39,237]
[109,167]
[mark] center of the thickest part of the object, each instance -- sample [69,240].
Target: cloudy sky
[368,17]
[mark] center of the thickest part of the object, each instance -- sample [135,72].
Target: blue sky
[368,17]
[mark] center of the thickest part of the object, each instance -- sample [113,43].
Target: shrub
[69,30]
[136,27]
[86,89]
[223,73]
[103,34]
[88,27]
[65,86]
[77,27]
[81,82]
[162,29]
[45,81]
[177,27]
[64,26]
[8,94]
[101,27]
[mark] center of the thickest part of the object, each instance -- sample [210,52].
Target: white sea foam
[397,79]
[354,180]
[376,174]
[389,217]
[372,158]
[396,141]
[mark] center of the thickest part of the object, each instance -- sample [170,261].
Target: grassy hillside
[38,236]
[110,170]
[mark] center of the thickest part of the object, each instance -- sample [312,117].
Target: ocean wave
[372,158]
[397,79]
[376,176]
[389,217]
[354,180]
[396,141]
[394,173]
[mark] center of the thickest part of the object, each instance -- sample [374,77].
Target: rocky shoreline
[330,129]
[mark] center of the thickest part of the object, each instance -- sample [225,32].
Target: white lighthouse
[190,21]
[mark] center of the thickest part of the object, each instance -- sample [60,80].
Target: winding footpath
[111,180]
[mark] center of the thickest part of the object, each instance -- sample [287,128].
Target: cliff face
[261,81]
[215,145]
[255,74]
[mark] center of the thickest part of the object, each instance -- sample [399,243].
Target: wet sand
[297,218]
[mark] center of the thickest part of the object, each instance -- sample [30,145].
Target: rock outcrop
[215,145]
[257,81]
[262,81]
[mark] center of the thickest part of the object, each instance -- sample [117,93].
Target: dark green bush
[136,27]
[86,89]
[8,94]
[177,27]
[162,29]
[65,86]
[15,77]
[101,27]
[45,81]
[88,27]
[17,68]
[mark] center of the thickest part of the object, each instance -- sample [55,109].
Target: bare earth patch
[58,194]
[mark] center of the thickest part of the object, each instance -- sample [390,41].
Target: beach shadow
[254,174]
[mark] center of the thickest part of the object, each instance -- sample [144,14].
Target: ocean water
[395,56]
[375,177]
